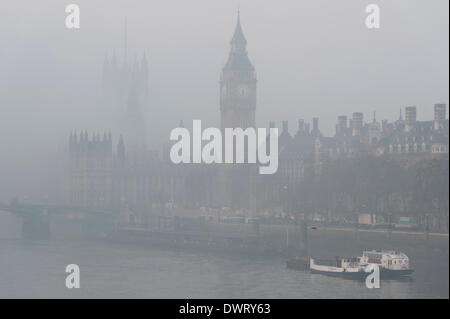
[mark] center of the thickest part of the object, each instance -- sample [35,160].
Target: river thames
[36,269]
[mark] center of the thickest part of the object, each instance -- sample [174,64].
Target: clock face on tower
[242,90]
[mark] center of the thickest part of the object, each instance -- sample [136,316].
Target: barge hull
[362,275]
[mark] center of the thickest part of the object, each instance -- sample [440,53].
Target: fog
[312,58]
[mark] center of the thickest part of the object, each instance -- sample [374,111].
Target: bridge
[36,218]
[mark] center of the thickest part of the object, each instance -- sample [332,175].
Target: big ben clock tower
[238,85]
[237,110]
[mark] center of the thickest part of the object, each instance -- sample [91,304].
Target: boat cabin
[388,259]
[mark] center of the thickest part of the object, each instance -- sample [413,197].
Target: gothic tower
[237,110]
[238,85]
[126,94]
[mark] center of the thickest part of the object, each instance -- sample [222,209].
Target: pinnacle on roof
[238,36]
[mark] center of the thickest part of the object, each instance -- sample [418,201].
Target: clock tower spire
[238,85]
[237,110]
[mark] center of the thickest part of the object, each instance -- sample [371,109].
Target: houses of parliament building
[129,175]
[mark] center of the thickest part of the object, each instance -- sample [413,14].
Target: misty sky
[312,58]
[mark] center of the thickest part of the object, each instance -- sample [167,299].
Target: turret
[315,131]
[285,137]
[121,151]
[301,127]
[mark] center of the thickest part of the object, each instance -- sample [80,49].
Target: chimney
[439,115]
[410,118]
[341,125]
[357,123]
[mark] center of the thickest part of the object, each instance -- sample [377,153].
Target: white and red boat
[392,264]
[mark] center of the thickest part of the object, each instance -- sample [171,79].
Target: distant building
[131,176]
[418,138]
[408,140]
